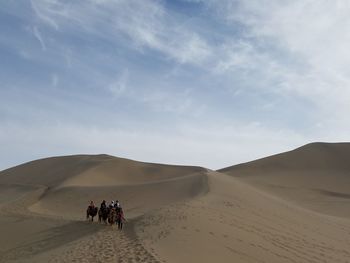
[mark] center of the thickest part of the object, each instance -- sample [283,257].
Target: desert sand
[291,207]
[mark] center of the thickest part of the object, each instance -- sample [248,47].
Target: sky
[194,82]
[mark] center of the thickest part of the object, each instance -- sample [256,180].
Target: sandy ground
[237,223]
[284,208]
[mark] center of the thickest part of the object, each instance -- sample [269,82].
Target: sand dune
[315,176]
[91,170]
[235,222]
[290,207]
[138,199]
[60,188]
[313,156]
[71,181]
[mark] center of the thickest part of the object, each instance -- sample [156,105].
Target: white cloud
[147,23]
[39,6]
[297,48]
[38,36]
[236,56]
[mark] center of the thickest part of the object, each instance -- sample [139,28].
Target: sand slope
[315,176]
[237,223]
[313,156]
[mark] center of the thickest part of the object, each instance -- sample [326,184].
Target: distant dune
[91,170]
[311,157]
[290,207]
[316,176]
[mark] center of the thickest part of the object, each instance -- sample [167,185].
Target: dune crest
[315,176]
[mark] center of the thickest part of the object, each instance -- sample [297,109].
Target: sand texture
[291,207]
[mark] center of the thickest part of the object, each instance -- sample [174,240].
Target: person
[111,205]
[120,218]
[92,204]
[91,210]
[103,205]
[117,207]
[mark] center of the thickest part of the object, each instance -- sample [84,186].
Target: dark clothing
[120,219]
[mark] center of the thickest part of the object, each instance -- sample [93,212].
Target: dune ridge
[91,170]
[315,176]
[317,156]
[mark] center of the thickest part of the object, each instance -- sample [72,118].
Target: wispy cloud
[295,47]
[38,36]
[147,24]
[39,6]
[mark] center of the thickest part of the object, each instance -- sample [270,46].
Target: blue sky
[210,83]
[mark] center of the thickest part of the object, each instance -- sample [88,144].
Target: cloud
[284,47]
[39,8]
[261,46]
[293,48]
[147,24]
[38,36]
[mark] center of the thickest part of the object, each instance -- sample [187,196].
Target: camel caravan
[111,214]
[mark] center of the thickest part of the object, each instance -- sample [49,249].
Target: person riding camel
[92,204]
[120,218]
[103,205]
[91,211]
[117,206]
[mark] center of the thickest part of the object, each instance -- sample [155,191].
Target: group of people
[112,211]
[112,204]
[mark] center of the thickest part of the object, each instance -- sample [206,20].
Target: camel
[91,211]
